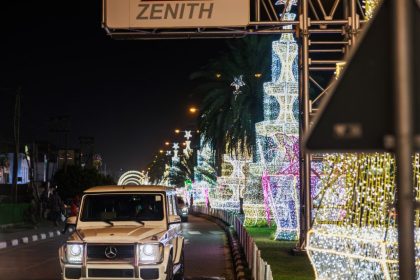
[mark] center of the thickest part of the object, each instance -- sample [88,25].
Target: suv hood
[123,234]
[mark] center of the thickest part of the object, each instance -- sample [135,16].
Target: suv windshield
[122,207]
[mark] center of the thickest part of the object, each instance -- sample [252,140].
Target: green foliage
[156,169]
[278,255]
[11,213]
[227,121]
[77,179]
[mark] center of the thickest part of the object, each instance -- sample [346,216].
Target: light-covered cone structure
[231,185]
[278,135]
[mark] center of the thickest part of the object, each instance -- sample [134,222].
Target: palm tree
[227,120]
[183,170]
[156,168]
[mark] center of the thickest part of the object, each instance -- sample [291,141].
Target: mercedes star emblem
[111,252]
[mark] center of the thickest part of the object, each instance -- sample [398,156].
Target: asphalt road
[206,255]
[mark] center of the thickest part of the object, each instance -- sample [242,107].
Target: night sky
[129,95]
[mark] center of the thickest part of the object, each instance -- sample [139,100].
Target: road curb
[236,251]
[49,234]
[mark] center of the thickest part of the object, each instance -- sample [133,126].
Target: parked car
[125,232]
[182,209]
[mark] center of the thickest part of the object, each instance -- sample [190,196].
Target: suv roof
[129,188]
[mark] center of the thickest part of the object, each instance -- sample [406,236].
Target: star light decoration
[237,84]
[175,147]
[355,230]
[187,136]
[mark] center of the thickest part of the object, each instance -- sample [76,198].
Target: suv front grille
[118,252]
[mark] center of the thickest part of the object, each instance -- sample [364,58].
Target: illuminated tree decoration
[204,175]
[355,229]
[278,135]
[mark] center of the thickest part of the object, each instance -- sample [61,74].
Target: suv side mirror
[71,221]
[174,219]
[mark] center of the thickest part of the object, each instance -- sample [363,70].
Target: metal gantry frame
[326,30]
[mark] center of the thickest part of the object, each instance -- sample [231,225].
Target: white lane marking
[3,245]
[25,240]
[194,232]
[34,237]
[43,236]
[15,242]
[51,234]
[58,233]
[186,241]
[216,232]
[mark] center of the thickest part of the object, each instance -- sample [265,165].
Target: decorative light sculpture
[278,135]
[187,151]
[355,231]
[237,84]
[134,177]
[175,147]
[232,182]
[370,7]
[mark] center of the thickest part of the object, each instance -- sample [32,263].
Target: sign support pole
[403,93]
[305,176]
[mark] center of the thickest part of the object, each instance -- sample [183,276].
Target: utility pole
[60,125]
[16,139]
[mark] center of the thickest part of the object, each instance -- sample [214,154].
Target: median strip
[30,238]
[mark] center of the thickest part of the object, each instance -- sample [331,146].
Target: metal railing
[260,269]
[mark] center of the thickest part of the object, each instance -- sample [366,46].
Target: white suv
[125,232]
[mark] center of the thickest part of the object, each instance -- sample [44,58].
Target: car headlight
[74,253]
[150,253]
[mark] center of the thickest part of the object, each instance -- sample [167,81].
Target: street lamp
[193,110]
[177,131]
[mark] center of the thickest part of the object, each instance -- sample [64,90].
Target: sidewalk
[25,233]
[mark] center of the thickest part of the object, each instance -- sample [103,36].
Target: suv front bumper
[113,271]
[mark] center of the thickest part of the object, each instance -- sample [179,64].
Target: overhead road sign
[178,19]
[358,115]
[132,14]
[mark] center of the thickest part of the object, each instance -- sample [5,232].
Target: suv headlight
[150,253]
[74,253]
